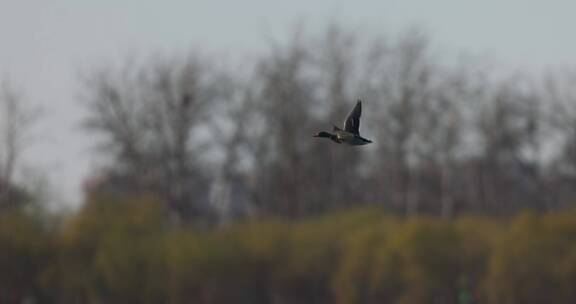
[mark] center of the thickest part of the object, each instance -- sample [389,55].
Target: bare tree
[153,118]
[448,139]
[285,99]
[505,125]
[339,83]
[16,119]
[558,91]
[403,83]
[232,193]
[442,141]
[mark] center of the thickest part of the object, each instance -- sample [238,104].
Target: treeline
[218,142]
[124,251]
[188,142]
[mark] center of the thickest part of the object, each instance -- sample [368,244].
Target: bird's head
[323,134]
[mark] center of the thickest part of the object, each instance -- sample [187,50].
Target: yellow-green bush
[124,251]
[351,282]
[535,261]
[111,250]
[24,253]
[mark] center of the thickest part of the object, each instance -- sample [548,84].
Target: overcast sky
[45,44]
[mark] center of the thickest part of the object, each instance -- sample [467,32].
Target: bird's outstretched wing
[352,123]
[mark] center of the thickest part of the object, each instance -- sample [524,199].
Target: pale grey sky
[45,43]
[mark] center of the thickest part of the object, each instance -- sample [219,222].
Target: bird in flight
[350,135]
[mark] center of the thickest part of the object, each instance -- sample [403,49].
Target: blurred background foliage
[125,251]
[211,188]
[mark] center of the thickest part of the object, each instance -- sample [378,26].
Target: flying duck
[350,135]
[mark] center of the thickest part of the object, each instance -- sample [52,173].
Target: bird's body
[351,139]
[350,135]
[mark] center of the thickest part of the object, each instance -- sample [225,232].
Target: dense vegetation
[212,189]
[125,251]
[220,143]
